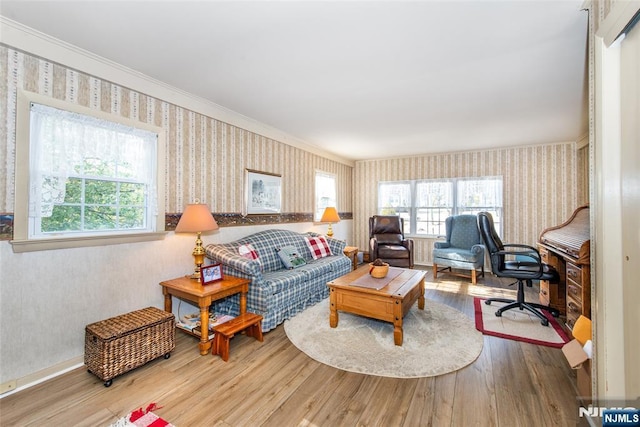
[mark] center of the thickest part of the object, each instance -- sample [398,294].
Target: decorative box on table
[122,343]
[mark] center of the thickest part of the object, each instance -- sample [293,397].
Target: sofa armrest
[336,245]
[408,243]
[441,245]
[234,261]
[477,249]
[373,249]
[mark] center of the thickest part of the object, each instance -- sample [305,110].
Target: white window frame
[22,241]
[403,210]
[321,193]
[410,212]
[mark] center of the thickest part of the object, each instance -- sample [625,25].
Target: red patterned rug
[518,325]
[142,418]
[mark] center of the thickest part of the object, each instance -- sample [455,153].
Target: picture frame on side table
[210,273]
[263,193]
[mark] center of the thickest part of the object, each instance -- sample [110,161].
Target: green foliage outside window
[92,202]
[426,204]
[388,210]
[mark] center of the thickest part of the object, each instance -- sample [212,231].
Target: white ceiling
[359,79]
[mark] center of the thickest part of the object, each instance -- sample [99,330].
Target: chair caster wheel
[544,322]
[168,355]
[487,302]
[108,383]
[498,313]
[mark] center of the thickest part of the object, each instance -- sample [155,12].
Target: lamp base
[196,273]
[198,257]
[330,231]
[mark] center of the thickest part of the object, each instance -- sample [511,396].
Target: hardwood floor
[274,384]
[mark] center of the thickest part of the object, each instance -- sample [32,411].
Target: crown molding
[583,141]
[617,22]
[31,41]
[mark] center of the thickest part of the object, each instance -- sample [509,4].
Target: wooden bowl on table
[378,271]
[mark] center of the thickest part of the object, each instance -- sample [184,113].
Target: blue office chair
[462,249]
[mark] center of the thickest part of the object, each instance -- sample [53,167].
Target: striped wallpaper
[541,187]
[205,158]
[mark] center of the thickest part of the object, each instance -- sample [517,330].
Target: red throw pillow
[248,252]
[318,246]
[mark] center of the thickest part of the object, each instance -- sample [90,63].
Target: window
[88,176]
[394,198]
[325,193]
[434,203]
[426,204]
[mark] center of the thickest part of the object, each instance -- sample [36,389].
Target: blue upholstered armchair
[463,249]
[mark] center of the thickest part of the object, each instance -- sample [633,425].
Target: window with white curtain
[395,198]
[426,204]
[325,194]
[88,176]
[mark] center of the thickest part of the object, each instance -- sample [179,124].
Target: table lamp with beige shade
[197,218]
[330,215]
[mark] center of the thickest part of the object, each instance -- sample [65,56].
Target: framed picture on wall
[263,193]
[210,273]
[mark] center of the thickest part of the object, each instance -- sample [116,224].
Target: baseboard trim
[18,384]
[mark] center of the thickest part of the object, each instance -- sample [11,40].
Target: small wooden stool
[250,322]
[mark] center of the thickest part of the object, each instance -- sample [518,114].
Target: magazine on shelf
[197,333]
[191,323]
[186,326]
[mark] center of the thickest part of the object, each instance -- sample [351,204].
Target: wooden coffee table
[390,303]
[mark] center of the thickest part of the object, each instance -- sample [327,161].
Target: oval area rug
[437,340]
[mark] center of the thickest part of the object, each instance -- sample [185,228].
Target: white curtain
[480,192]
[61,140]
[325,193]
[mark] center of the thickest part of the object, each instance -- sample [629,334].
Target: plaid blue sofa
[275,292]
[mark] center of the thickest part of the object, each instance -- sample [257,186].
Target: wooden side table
[192,290]
[352,253]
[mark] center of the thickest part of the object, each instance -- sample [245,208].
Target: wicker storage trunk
[119,344]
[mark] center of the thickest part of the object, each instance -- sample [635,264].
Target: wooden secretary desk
[567,248]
